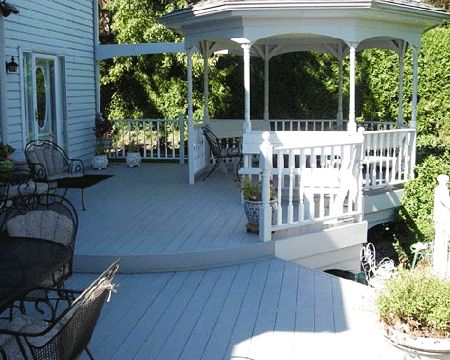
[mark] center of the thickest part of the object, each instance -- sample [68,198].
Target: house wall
[63,28]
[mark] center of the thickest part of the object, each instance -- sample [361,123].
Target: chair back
[77,323]
[368,262]
[49,217]
[213,141]
[46,159]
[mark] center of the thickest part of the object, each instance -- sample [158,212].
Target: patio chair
[68,335]
[376,274]
[50,217]
[221,152]
[49,163]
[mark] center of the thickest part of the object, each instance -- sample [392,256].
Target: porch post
[3,113]
[266,82]
[246,48]
[190,114]
[341,84]
[401,57]
[205,82]
[441,214]
[351,115]
[414,91]
[265,219]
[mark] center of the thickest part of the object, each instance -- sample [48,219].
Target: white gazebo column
[190,115]
[340,59]
[246,48]
[414,91]
[352,116]
[205,82]
[266,82]
[401,58]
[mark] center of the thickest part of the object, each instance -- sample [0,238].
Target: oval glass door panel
[41,97]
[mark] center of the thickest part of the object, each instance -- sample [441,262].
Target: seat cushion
[43,224]
[25,324]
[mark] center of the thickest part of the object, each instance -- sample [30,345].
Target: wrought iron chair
[376,274]
[50,217]
[67,336]
[221,152]
[49,163]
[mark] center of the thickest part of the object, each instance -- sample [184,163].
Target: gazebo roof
[303,25]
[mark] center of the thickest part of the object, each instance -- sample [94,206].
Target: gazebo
[268,28]
[324,178]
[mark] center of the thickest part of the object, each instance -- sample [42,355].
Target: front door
[43,104]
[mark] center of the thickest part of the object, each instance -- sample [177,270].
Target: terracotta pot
[106,142]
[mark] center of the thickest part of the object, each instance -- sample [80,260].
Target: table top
[25,263]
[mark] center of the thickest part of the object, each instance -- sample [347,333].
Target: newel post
[441,221]
[265,216]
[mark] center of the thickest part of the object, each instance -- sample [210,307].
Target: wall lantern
[7,9]
[11,66]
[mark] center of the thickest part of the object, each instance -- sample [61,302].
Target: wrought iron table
[25,263]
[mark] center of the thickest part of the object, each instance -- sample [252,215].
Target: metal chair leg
[214,168]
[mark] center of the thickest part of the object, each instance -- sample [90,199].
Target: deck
[155,221]
[240,302]
[268,309]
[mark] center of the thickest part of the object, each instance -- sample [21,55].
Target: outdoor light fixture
[11,66]
[7,9]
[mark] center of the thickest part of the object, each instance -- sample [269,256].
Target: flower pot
[106,142]
[420,348]
[133,159]
[253,208]
[100,162]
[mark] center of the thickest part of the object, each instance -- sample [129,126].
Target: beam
[103,52]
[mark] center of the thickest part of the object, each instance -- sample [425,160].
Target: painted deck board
[263,310]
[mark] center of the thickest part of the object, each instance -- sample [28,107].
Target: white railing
[157,139]
[442,227]
[377,125]
[388,157]
[316,184]
[307,125]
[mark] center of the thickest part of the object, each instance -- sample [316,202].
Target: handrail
[315,183]
[389,157]
[158,139]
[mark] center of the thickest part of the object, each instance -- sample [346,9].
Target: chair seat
[61,176]
[230,152]
[23,323]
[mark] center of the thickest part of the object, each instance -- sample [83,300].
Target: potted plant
[104,130]
[133,156]
[6,150]
[252,196]
[100,159]
[414,307]
[6,168]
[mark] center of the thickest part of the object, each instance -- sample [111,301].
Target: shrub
[418,197]
[416,302]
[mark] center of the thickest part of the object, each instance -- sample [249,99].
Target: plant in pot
[6,150]
[252,196]
[414,307]
[104,130]
[100,159]
[133,156]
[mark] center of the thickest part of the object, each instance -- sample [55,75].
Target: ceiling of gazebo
[303,25]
